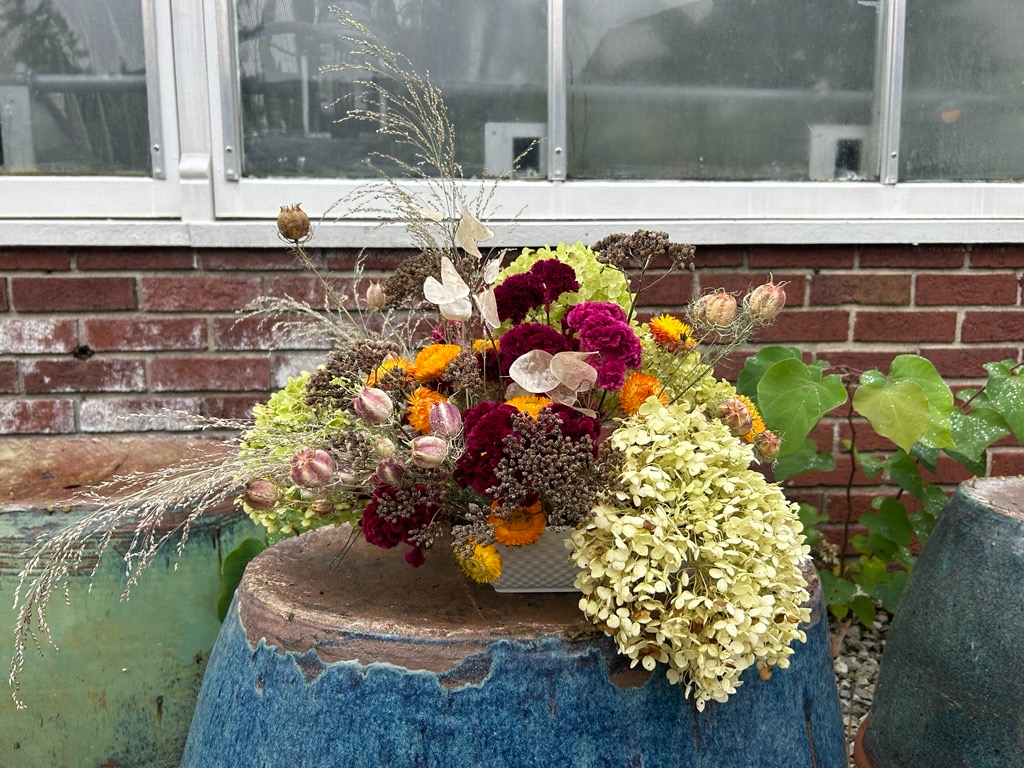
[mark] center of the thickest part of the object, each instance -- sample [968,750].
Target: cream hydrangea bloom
[695,562]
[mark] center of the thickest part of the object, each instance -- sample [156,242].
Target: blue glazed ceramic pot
[372,663]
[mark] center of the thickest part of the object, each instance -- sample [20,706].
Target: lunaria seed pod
[261,494]
[735,415]
[445,420]
[293,223]
[429,451]
[767,444]
[389,472]
[373,405]
[376,299]
[312,468]
[720,309]
[765,302]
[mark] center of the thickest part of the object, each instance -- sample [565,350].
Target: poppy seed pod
[735,415]
[293,223]
[429,451]
[765,302]
[261,494]
[720,309]
[373,405]
[312,468]
[445,420]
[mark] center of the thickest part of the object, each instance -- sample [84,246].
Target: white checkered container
[543,566]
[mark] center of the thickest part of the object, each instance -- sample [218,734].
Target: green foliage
[914,408]
[232,569]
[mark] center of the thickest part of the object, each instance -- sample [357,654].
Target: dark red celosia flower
[517,295]
[527,337]
[557,278]
[575,424]
[485,426]
[414,557]
[389,533]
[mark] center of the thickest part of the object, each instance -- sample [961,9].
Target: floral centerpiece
[474,398]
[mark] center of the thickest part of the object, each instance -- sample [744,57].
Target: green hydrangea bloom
[684,375]
[694,563]
[598,282]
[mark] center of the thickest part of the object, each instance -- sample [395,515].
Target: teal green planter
[122,687]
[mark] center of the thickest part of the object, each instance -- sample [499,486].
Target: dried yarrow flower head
[293,223]
[640,249]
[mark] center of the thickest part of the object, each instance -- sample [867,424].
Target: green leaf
[836,590]
[889,589]
[927,456]
[973,433]
[810,516]
[756,366]
[905,473]
[898,411]
[232,569]
[940,398]
[1006,395]
[806,459]
[923,522]
[871,465]
[890,521]
[793,397]
[864,608]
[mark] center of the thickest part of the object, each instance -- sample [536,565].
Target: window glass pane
[963,90]
[488,59]
[722,89]
[73,87]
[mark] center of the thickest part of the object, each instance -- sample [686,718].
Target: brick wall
[90,336]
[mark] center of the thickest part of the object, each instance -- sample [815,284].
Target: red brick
[191,294]
[92,375]
[998,256]
[998,288]
[867,439]
[249,333]
[72,294]
[139,334]
[114,259]
[806,256]
[718,256]
[860,288]
[912,325]
[807,325]
[813,498]
[965,362]
[835,533]
[856,361]
[913,256]
[667,290]
[344,259]
[254,259]
[291,364]
[740,283]
[947,472]
[836,507]
[232,407]
[837,476]
[1001,326]
[138,414]
[1007,462]
[8,376]
[24,417]
[45,259]
[188,374]
[37,335]
[4,306]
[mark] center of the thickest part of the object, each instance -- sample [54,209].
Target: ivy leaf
[1006,396]
[889,589]
[890,521]
[793,397]
[898,411]
[806,459]
[232,569]
[836,590]
[974,432]
[927,456]
[940,398]
[864,608]
[756,366]
[905,473]
[810,516]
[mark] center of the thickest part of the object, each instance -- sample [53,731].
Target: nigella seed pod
[720,309]
[312,468]
[383,447]
[376,299]
[735,415]
[767,444]
[322,506]
[373,405]
[765,302]
[293,223]
[261,494]
[389,472]
[429,451]
[445,420]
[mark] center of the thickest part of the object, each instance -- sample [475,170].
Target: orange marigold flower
[432,361]
[483,565]
[638,387]
[756,422]
[671,333]
[390,364]
[480,346]
[530,404]
[420,402]
[522,527]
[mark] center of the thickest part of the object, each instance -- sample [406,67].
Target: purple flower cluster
[527,337]
[543,284]
[601,327]
[485,426]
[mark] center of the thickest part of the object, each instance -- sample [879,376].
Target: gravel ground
[857,668]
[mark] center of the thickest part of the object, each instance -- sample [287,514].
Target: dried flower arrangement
[487,402]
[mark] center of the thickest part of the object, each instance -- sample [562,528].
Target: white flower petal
[532,371]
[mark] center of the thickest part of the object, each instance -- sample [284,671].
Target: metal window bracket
[230,95]
[557,96]
[157,151]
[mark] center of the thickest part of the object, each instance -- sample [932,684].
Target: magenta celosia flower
[557,278]
[517,295]
[485,425]
[575,424]
[601,327]
[389,532]
[527,337]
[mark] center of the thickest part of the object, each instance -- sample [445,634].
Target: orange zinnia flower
[522,527]
[756,422]
[432,361]
[420,402]
[671,333]
[638,387]
[530,404]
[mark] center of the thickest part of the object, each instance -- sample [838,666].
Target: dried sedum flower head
[695,563]
[293,223]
